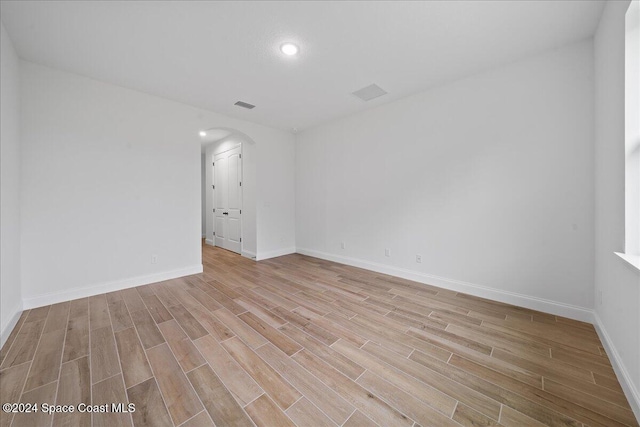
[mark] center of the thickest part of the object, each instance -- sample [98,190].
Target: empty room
[320,213]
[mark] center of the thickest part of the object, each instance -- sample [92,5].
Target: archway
[218,140]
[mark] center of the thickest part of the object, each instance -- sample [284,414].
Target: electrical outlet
[343,245]
[419,259]
[387,252]
[154,259]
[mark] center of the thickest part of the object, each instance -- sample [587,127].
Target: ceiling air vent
[370,92]
[245,105]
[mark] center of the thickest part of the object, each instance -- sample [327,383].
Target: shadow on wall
[219,140]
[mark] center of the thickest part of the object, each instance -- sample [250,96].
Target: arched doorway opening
[235,228]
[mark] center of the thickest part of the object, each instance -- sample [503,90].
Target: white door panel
[220,179]
[233,230]
[234,179]
[220,228]
[228,199]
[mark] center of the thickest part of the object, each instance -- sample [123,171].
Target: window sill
[632,260]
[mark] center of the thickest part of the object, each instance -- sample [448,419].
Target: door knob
[225,213]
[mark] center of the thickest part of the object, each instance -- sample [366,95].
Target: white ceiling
[212,54]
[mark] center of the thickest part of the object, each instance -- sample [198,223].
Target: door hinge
[240,211]
[213,164]
[240,183]
[214,187]
[240,155]
[214,210]
[241,240]
[214,233]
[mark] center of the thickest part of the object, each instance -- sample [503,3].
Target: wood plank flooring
[298,341]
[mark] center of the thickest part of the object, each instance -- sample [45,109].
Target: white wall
[249,184]
[111,176]
[203,197]
[276,176]
[618,312]
[488,178]
[10,294]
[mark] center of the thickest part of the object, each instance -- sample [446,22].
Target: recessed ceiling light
[289,49]
[203,133]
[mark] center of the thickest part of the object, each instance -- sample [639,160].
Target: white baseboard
[209,242]
[273,254]
[248,254]
[527,301]
[87,291]
[6,329]
[630,391]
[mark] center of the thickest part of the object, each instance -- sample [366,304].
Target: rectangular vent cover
[244,105]
[370,92]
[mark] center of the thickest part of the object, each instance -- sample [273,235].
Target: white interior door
[227,175]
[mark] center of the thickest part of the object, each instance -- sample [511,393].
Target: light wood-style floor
[301,341]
